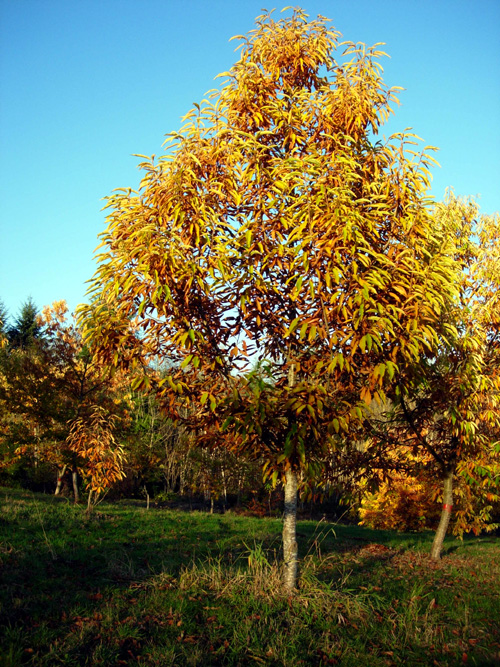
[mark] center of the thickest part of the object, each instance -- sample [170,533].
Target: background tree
[47,385]
[276,227]
[446,406]
[92,439]
[3,325]
[157,450]
[26,328]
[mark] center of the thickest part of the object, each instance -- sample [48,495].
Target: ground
[130,586]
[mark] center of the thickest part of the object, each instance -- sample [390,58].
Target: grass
[161,587]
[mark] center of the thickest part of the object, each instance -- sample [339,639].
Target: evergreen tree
[26,327]
[3,326]
[3,319]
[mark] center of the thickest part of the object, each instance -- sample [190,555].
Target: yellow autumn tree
[444,417]
[276,228]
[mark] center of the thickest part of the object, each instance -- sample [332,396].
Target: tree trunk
[89,502]
[76,493]
[224,489]
[60,476]
[437,545]
[290,531]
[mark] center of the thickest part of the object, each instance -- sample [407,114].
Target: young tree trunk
[76,493]
[290,531]
[437,545]
[224,489]
[60,476]
[89,502]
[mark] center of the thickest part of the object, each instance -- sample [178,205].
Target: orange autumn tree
[92,403]
[276,228]
[46,386]
[92,439]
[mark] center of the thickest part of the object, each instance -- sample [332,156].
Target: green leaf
[186,361]
[292,327]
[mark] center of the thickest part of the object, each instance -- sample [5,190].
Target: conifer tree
[26,328]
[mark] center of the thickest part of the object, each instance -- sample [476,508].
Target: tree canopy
[277,227]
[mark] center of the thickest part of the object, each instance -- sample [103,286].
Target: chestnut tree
[276,228]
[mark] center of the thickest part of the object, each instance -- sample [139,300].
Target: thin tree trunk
[60,476]
[290,531]
[89,502]
[238,494]
[181,482]
[224,489]
[437,545]
[76,493]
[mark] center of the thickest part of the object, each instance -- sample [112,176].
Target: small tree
[47,385]
[276,227]
[93,440]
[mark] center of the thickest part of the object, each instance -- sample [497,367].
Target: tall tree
[276,227]
[26,327]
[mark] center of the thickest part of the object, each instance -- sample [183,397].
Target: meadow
[131,586]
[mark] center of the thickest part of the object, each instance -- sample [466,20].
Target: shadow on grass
[73,586]
[56,558]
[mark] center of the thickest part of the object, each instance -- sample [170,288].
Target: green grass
[160,587]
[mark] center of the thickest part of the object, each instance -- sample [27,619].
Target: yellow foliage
[408,503]
[93,440]
[404,504]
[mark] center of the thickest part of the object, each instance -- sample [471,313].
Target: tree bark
[290,531]
[76,493]
[437,545]
[60,476]
[89,502]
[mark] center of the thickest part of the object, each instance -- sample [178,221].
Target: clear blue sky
[84,84]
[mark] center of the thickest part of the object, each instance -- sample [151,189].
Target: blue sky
[84,84]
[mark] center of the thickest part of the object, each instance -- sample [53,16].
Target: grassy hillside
[159,587]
